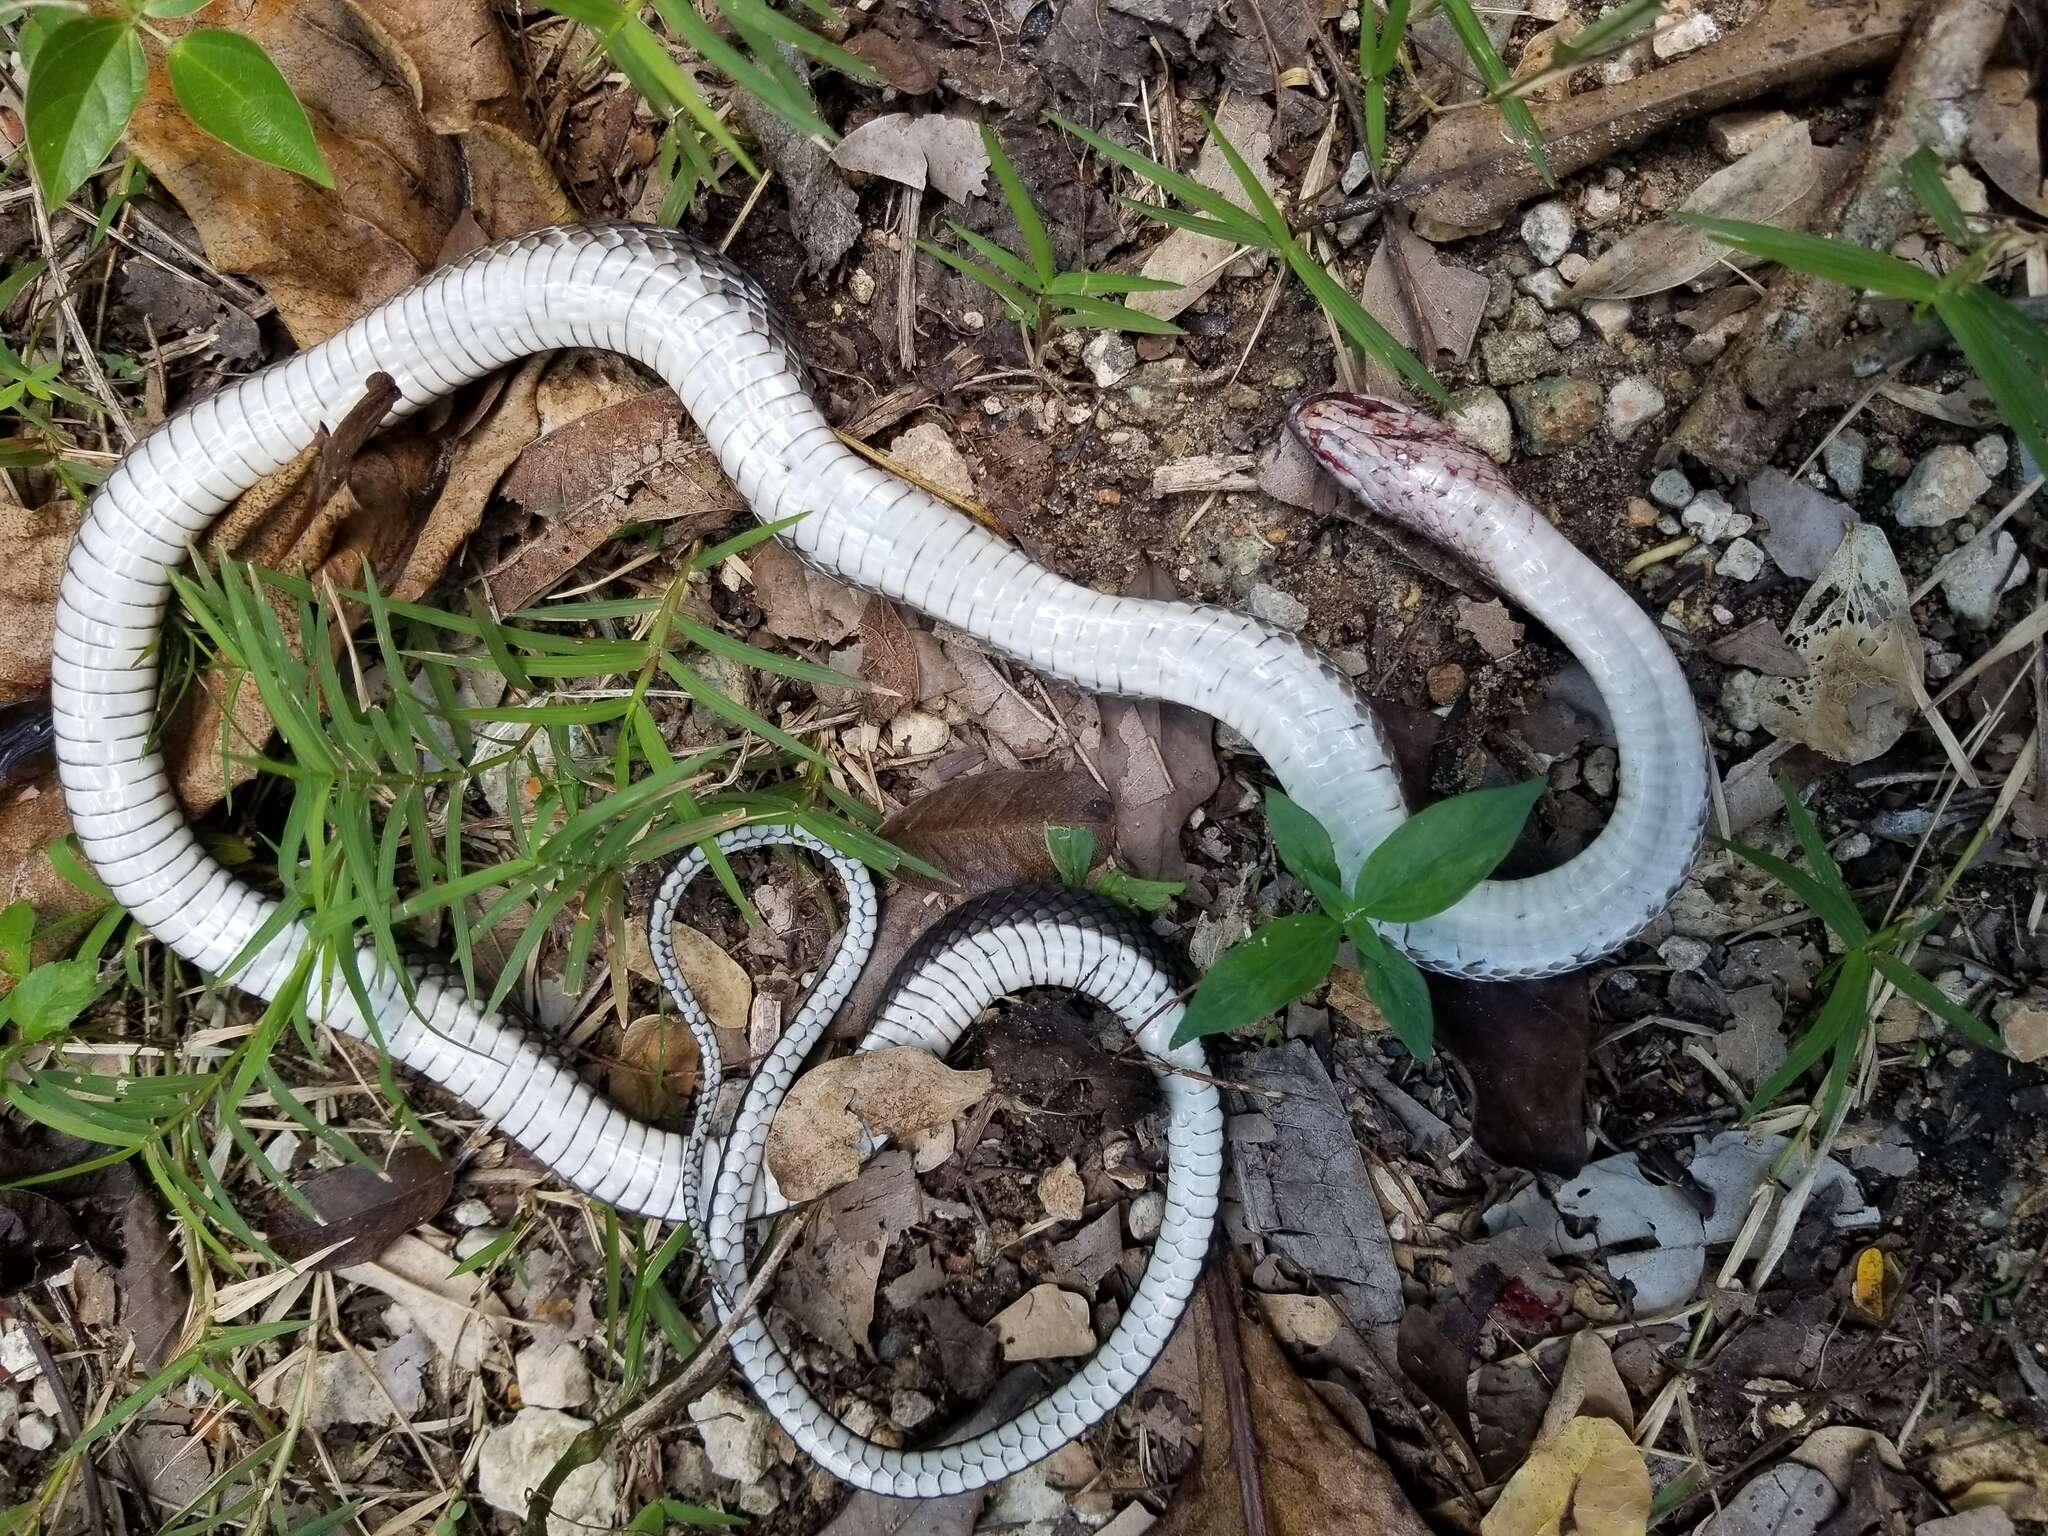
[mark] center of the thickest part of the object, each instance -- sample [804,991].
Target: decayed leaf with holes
[817,1136]
[1590,1479]
[1854,628]
[655,1076]
[366,1210]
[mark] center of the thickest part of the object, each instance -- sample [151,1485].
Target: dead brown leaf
[798,602]
[655,1076]
[829,1282]
[37,540]
[888,660]
[2005,137]
[1317,1480]
[988,830]
[366,1210]
[36,1239]
[814,1142]
[1160,761]
[1526,1046]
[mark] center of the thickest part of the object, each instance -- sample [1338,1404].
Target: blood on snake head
[1398,461]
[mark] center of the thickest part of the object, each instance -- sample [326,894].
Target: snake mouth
[1337,426]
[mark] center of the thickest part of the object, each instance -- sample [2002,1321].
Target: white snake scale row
[708,332]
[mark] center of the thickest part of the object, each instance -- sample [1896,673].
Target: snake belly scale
[709,333]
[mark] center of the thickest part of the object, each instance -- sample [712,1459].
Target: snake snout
[1386,452]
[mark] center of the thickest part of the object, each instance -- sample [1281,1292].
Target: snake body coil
[708,332]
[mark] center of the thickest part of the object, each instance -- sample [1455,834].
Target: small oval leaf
[231,88]
[1262,975]
[1304,847]
[87,77]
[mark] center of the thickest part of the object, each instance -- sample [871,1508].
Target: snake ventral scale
[707,330]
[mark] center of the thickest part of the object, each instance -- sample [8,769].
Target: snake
[709,331]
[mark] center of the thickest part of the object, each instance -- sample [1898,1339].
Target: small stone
[35,1433]
[1984,1520]
[1843,460]
[927,450]
[1445,682]
[1735,134]
[516,1455]
[1695,31]
[1564,328]
[1623,66]
[1684,954]
[1891,1156]
[1277,608]
[1599,770]
[1671,489]
[1631,403]
[1571,266]
[1968,191]
[471,1213]
[1982,574]
[1525,314]
[553,1376]
[1306,1322]
[1708,515]
[908,1409]
[1610,317]
[1643,514]
[1110,357]
[1555,412]
[1599,205]
[1061,1193]
[1943,486]
[860,282]
[739,1437]
[1144,1215]
[1045,1323]
[1481,417]
[1547,230]
[1744,561]
[1992,455]
[918,733]
[1547,287]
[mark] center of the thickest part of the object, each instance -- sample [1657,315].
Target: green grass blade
[1036,240]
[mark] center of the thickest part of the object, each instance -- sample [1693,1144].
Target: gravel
[1555,412]
[1986,570]
[1744,561]
[1610,317]
[1515,357]
[1547,230]
[1276,607]
[1943,486]
[1671,489]
[1710,517]
[1843,460]
[1481,417]
[1630,404]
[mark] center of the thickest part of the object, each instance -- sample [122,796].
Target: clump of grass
[1038,295]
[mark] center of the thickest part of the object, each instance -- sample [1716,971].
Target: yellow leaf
[1876,1286]
[1590,1480]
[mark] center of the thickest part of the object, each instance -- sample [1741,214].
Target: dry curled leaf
[1760,186]
[721,986]
[1316,1478]
[836,1110]
[366,1210]
[1590,1479]
[655,1076]
[988,831]
[937,151]
[888,660]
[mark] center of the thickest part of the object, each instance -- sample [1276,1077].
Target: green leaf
[657,1517]
[2010,353]
[172,10]
[1102,314]
[1826,904]
[1923,175]
[1846,921]
[1479,48]
[17,930]
[1036,240]
[1084,284]
[1304,847]
[1397,988]
[1437,855]
[1839,261]
[1243,227]
[1262,975]
[50,997]
[88,76]
[1839,1015]
[231,89]
[1615,27]
[1938,1003]
[1136,893]
[684,21]
[1018,271]
[1073,851]
[1023,306]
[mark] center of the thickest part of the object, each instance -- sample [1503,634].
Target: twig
[661,1407]
[88,358]
[67,1411]
[1220,1285]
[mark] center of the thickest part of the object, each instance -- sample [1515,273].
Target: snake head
[1397,460]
